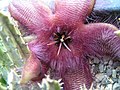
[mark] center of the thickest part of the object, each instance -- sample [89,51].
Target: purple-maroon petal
[79,78]
[102,40]
[72,11]
[31,14]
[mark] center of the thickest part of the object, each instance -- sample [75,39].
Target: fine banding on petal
[32,14]
[72,11]
[75,80]
[102,40]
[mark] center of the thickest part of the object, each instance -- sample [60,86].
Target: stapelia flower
[63,40]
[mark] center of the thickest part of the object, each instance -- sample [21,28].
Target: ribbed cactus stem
[12,41]
[14,34]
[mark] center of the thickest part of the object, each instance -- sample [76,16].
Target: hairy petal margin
[102,40]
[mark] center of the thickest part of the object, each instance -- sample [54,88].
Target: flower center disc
[61,39]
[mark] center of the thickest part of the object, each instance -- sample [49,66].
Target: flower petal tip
[31,69]
[24,80]
[117,32]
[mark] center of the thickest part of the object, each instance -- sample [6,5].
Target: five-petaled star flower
[63,40]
